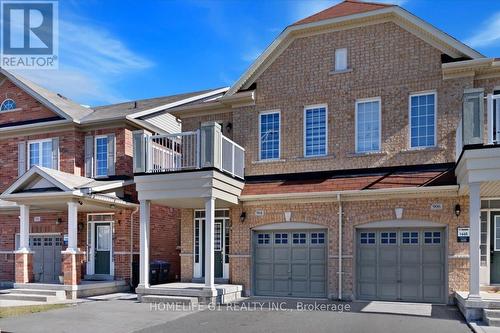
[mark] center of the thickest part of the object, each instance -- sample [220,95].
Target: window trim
[278,111]
[423,93]
[304,138]
[335,60]
[28,153]
[497,220]
[95,155]
[367,100]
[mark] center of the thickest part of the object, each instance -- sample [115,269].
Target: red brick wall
[30,108]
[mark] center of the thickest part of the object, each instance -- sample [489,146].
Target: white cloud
[488,34]
[251,55]
[91,61]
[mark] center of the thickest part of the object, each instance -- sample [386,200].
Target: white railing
[172,152]
[204,148]
[232,157]
[470,130]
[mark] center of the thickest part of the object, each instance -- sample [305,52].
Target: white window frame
[95,155]
[497,220]
[40,142]
[337,51]
[416,94]
[306,108]
[367,100]
[260,135]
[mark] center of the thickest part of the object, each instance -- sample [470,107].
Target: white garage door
[401,265]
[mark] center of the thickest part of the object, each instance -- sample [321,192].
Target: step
[56,293]
[490,313]
[492,321]
[178,300]
[24,297]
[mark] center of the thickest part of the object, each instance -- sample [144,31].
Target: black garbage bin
[158,272]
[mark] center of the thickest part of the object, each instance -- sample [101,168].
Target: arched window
[8,104]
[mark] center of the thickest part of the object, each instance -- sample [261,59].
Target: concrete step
[492,321]
[56,293]
[24,297]
[173,300]
[492,314]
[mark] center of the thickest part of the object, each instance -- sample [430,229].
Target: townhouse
[68,209]
[357,158]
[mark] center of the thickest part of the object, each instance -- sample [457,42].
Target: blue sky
[117,50]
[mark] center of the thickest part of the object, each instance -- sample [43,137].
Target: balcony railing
[203,148]
[471,129]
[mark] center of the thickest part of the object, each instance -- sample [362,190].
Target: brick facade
[164,220]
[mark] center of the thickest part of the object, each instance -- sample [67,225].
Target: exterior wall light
[458,210]
[243,216]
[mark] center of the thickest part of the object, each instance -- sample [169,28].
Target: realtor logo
[29,34]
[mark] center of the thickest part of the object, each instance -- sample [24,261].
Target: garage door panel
[410,267]
[291,265]
[263,254]
[367,273]
[410,255]
[299,254]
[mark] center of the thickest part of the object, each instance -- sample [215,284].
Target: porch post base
[24,267]
[72,267]
[474,297]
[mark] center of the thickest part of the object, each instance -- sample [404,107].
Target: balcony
[181,169]
[471,130]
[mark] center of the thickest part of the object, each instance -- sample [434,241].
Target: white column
[72,227]
[209,243]
[475,239]
[144,243]
[24,228]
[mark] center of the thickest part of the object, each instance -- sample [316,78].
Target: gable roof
[61,105]
[348,7]
[146,107]
[350,13]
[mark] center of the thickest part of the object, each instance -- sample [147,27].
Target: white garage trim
[289,225]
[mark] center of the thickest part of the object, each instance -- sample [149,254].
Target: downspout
[132,243]
[340,248]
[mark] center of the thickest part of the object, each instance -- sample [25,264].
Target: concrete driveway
[253,315]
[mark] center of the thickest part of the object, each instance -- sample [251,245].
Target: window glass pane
[340,59]
[47,154]
[368,126]
[40,153]
[102,156]
[280,238]
[34,154]
[422,121]
[269,136]
[103,237]
[315,131]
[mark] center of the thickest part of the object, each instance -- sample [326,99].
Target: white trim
[497,220]
[345,51]
[278,111]
[423,93]
[91,246]
[40,151]
[367,100]
[304,137]
[290,226]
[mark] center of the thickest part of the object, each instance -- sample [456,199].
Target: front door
[221,244]
[102,247]
[495,248]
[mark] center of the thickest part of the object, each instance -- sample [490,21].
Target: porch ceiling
[490,189]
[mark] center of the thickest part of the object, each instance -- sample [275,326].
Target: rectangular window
[263,238]
[40,153]
[269,135]
[432,237]
[388,238]
[368,126]
[299,238]
[280,238]
[409,237]
[315,131]
[423,120]
[367,238]
[340,60]
[101,156]
[317,238]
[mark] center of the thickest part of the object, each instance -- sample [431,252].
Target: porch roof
[51,189]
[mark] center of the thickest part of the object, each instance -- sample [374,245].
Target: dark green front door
[495,248]
[102,248]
